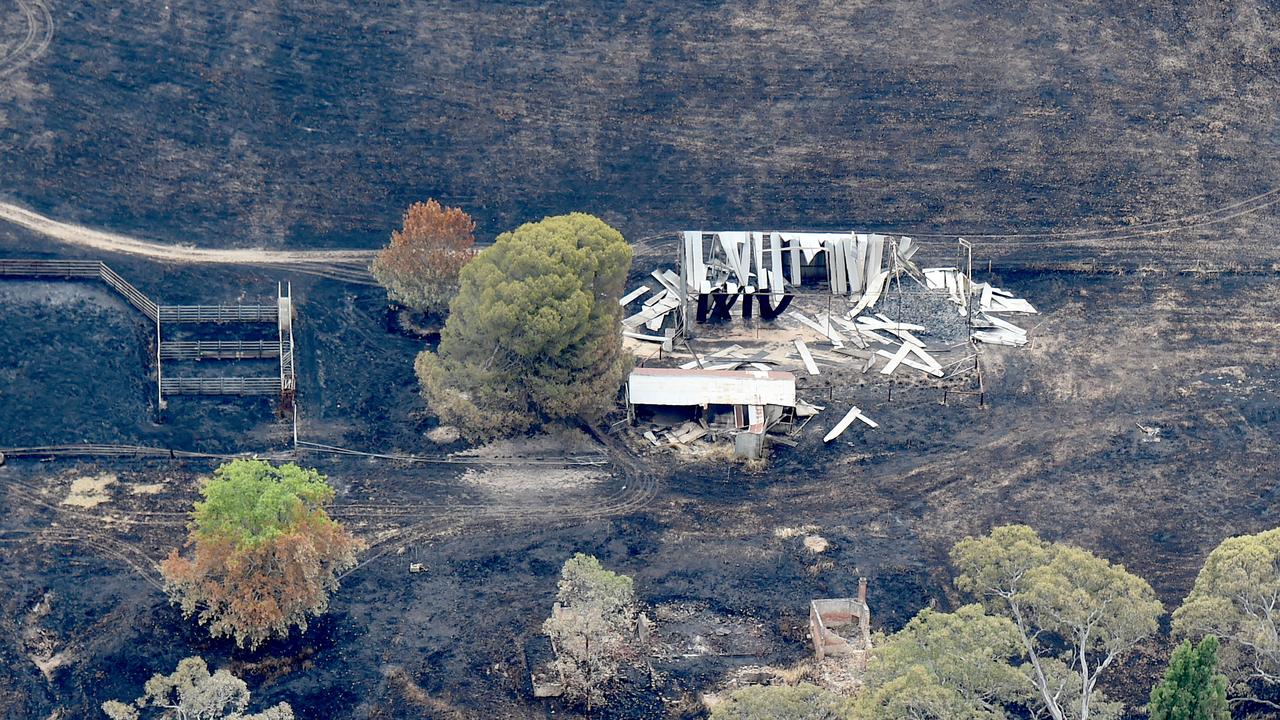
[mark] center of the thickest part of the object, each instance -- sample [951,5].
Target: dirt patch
[816,544]
[787,532]
[147,488]
[444,435]
[509,480]
[40,643]
[89,492]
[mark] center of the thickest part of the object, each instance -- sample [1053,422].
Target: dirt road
[112,242]
[346,265]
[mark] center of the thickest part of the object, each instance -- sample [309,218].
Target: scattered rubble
[812,303]
[842,627]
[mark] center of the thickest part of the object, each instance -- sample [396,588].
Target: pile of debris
[891,314]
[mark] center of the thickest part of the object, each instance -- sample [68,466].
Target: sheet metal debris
[883,311]
[854,414]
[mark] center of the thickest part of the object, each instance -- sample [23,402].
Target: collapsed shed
[747,402]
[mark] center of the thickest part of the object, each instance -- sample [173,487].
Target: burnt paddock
[1056,446]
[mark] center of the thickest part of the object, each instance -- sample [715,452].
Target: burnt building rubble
[747,312]
[841,627]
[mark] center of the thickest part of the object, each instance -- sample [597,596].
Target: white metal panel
[730,242]
[662,386]
[872,295]
[807,357]
[686,255]
[852,268]
[757,247]
[775,262]
[794,245]
[894,359]
[827,332]
[626,299]
[835,266]
[811,243]
[843,424]
[875,255]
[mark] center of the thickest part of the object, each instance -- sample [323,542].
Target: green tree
[1059,596]
[1236,597]
[251,502]
[193,693]
[948,666]
[533,334]
[267,555]
[1192,688]
[592,628]
[782,702]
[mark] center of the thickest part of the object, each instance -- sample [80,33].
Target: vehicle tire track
[39,25]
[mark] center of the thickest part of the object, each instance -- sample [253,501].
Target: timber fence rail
[218,349]
[130,293]
[186,350]
[218,313]
[143,451]
[51,268]
[129,451]
[81,269]
[459,459]
[220,385]
[284,312]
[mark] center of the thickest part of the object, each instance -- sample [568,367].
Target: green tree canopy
[1236,597]
[1192,688]
[267,555]
[948,666]
[1059,596]
[592,628]
[251,502]
[584,581]
[782,702]
[533,332]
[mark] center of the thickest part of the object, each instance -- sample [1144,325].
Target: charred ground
[1057,446]
[307,126]
[313,124]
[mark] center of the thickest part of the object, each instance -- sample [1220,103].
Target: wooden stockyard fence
[281,314]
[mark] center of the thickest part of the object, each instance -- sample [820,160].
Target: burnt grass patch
[315,124]
[1055,444]
[311,126]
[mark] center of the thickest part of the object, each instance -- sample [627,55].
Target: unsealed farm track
[345,265]
[388,526]
[36,40]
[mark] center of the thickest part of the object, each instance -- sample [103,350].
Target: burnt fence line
[304,446]
[108,450]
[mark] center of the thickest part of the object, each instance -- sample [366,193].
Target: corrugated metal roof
[674,386]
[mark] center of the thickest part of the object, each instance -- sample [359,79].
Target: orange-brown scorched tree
[266,554]
[420,267]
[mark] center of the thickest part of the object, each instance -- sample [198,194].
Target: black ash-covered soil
[1056,445]
[313,125]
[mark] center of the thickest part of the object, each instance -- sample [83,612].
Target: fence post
[159,375]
